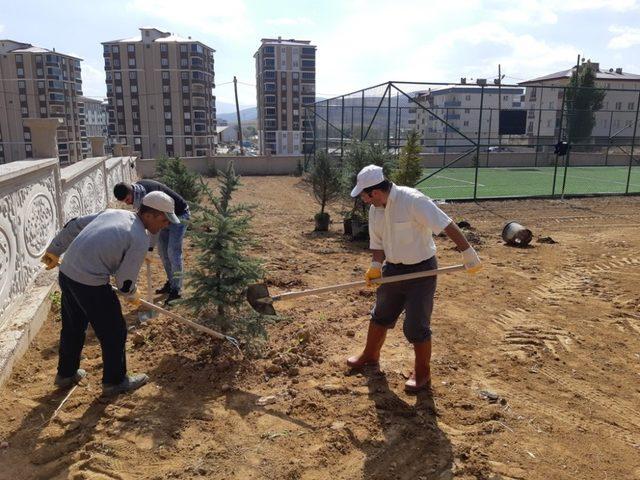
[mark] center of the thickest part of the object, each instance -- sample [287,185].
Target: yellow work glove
[374,271]
[50,260]
[471,260]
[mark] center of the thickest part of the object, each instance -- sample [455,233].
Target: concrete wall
[37,198]
[523,159]
[260,165]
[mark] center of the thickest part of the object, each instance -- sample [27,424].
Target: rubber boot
[370,356]
[421,376]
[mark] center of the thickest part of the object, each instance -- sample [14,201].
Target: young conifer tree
[222,271]
[175,175]
[409,168]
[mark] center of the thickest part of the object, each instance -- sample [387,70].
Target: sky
[359,43]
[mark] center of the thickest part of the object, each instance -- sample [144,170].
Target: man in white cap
[401,223]
[96,247]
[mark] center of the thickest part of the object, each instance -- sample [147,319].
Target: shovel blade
[259,299]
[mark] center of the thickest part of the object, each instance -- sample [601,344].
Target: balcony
[452,103]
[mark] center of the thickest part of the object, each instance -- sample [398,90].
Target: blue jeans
[170,250]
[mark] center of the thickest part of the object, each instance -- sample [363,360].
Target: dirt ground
[536,366]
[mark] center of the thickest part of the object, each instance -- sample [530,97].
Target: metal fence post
[535,160]
[389,118]
[446,131]
[326,133]
[555,168]
[489,135]
[341,128]
[606,157]
[633,144]
[475,182]
[362,118]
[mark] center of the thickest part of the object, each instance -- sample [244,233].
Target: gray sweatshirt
[112,242]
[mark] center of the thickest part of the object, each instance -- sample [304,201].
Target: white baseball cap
[368,177]
[163,203]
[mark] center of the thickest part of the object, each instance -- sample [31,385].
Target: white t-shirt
[403,229]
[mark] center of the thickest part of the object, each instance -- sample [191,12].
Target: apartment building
[614,122]
[35,83]
[459,106]
[285,81]
[160,94]
[95,115]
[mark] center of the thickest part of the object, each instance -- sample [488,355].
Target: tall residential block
[285,81]
[38,83]
[160,94]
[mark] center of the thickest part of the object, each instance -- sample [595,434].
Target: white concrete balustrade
[37,198]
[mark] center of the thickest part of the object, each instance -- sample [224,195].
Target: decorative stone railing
[37,198]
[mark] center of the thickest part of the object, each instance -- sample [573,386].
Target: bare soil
[536,366]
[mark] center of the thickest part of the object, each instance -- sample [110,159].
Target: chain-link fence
[490,141]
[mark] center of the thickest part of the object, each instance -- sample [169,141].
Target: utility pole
[235,89]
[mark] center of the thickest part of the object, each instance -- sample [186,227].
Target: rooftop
[12,46]
[608,75]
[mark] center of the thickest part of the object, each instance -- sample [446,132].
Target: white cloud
[214,17]
[93,81]
[285,21]
[546,12]
[1,28]
[625,37]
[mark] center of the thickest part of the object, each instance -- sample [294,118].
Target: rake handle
[378,281]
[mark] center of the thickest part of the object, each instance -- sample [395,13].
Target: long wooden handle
[345,286]
[179,318]
[149,298]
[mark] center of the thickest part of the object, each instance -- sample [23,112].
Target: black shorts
[414,297]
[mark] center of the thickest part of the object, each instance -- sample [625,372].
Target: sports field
[458,183]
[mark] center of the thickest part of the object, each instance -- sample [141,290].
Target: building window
[618,105]
[115,49]
[164,62]
[168,129]
[631,106]
[132,62]
[183,48]
[184,63]
[167,115]
[165,75]
[164,47]
[131,48]
[166,102]
[184,75]
[187,129]
[165,88]
[188,141]
[133,75]
[134,89]
[107,48]
[187,116]
[134,101]
[185,89]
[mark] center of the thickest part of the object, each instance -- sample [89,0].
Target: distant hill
[246,114]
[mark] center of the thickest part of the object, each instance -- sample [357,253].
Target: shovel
[188,322]
[146,315]
[259,298]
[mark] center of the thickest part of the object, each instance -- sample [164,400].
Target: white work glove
[471,260]
[132,298]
